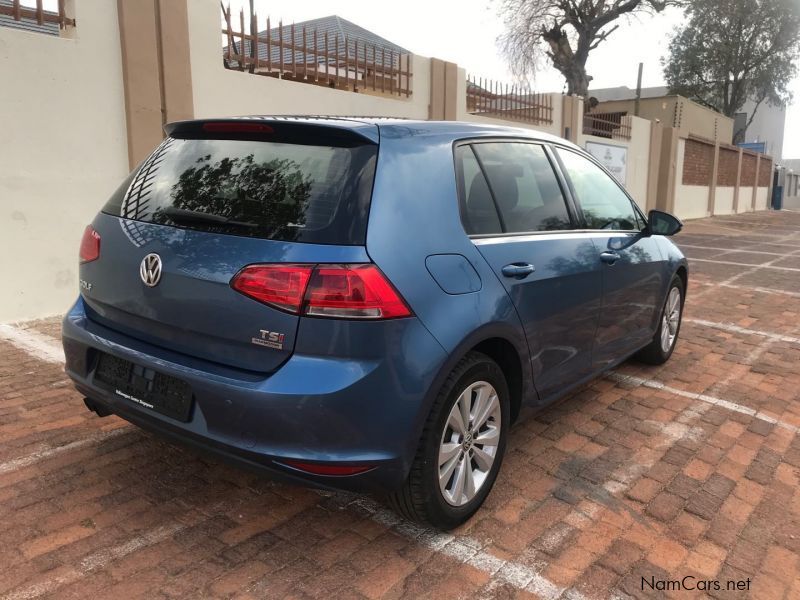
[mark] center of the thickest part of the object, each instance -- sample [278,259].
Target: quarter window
[480,214]
[604,204]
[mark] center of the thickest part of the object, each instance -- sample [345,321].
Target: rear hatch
[215,197]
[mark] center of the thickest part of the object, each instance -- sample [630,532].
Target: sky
[465,32]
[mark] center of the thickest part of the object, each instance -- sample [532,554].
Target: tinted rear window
[277,191]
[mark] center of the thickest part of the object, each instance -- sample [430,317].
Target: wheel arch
[505,345]
[503,352]
[683,273]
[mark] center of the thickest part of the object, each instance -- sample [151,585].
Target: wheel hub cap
[467,443]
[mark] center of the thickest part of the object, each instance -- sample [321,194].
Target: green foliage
[730,51]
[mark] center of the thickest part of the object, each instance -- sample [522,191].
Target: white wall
[63,151]
[691,201]
[761,198]
[745,199]
[723,200]
[220,92]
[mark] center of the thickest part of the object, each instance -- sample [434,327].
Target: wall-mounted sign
[614,158]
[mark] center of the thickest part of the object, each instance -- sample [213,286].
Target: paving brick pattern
[648,474]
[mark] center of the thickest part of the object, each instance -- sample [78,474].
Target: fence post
[444,91]
[436,106]
[712,188]
[755,182]
[668,170]
[140,76]
[771,168]
[738,183]
[450,91]
[156,71]
[571,118]
[654,162]
[175,61]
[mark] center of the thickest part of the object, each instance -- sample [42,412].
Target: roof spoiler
[316,132]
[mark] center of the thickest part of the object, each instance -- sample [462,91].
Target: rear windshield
[277,191]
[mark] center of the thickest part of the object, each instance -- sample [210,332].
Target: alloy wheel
[671,319]
[469,443]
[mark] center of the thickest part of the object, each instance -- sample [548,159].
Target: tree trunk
[572,66]
[577,81]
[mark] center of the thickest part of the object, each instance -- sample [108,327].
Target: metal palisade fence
[308,55]
[613,125]
[33,11]
[511,102]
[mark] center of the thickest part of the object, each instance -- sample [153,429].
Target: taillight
[358,291]
[90,245]
[352,291]
[281,286]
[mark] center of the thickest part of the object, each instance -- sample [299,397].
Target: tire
[444,504]
[658,351]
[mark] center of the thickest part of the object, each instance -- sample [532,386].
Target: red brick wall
[764,173]
[748,170]
[728,167]
[698,162]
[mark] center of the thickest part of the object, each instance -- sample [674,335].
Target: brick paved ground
[688,469]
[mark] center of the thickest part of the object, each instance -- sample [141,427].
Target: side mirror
[661,223]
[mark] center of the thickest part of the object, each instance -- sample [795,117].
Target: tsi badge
[270,339]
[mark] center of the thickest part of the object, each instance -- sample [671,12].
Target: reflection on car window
[270,190]
[604,204]
[524,186]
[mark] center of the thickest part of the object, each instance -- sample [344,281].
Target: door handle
[518,270]
[609,257]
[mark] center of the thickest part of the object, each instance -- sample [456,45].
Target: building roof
[26,24]
[623,92]
[335,26]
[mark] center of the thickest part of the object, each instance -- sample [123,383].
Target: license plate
[150,389]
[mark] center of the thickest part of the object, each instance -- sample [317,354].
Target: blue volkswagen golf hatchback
[365,303]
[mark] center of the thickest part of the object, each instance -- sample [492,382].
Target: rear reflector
[90,245]
[358,291]
[327,469]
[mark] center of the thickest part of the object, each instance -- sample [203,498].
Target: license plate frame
[145,387]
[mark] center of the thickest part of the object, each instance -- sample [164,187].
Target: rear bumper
[315,408]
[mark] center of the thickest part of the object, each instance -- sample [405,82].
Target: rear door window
[270,190]
[510,187]
[525,187]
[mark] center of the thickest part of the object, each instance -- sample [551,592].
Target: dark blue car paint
[360,392]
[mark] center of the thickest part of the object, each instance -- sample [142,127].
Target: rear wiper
[188,216]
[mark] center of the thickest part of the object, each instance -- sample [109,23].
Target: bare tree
[565,31]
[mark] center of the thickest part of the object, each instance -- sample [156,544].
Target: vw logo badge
[150,270]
